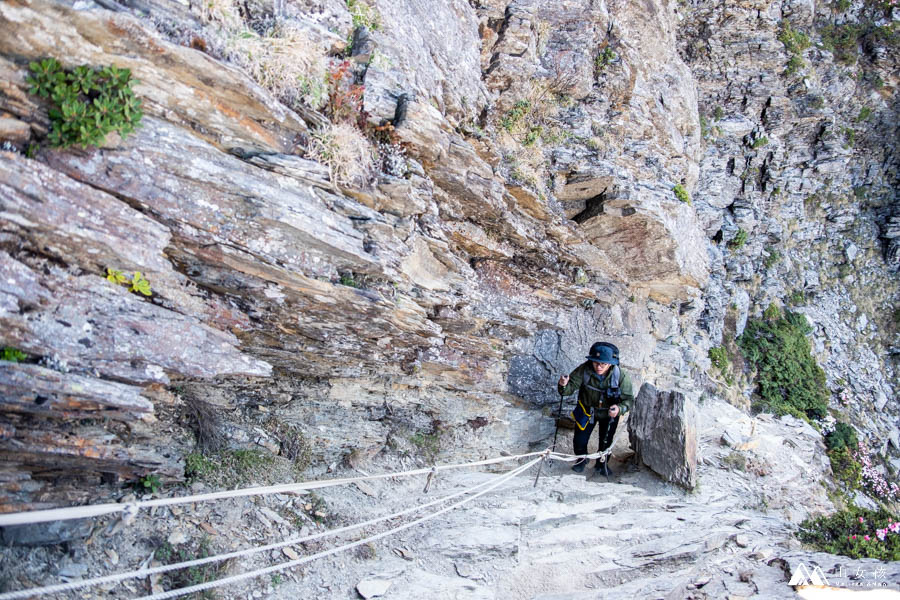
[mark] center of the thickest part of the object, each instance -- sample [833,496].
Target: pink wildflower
[866,538]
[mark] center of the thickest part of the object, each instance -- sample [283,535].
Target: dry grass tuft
[288,63]
[204,421]
[346,152]
[223,13]
[525,129]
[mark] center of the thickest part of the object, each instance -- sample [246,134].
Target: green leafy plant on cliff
[842,41]
[87,103]
[361,15]
[739,239]
[718,355]
[515,114]
[681,193]
[795,42]
[794,64]
[138,283]
[788,377]
[149,483]
[12,355]
[604,58]
[364,15]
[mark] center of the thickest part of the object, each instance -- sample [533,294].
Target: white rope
[96,510]
[293,563]
[118,577]
[575,457]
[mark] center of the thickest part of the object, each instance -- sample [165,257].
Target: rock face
[525,210]
[664,436]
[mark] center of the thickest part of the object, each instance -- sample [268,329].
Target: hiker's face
[601,368]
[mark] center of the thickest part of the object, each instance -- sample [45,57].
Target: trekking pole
[608,451]
[558,416]
[549,450]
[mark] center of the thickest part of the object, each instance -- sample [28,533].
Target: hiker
[604,394]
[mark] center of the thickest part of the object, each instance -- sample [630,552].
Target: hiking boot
[602,467]
[578,467]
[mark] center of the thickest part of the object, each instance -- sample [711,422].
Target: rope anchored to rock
[96,510]
[131,509]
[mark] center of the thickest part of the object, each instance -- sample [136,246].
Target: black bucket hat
[602,352]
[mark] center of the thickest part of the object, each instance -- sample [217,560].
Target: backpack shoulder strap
[615,377]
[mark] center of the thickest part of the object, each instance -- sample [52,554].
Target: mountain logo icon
[803,576]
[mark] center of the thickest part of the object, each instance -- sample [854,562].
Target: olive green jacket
[590,398]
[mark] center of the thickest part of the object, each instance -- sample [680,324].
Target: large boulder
[663,433]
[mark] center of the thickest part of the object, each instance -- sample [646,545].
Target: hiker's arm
[572,385]
[626,395]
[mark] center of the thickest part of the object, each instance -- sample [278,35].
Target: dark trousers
[606,429]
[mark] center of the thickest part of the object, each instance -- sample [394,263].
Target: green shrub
[739,239]
[797,298]
[86,103]
[681,193]
[13,355]
[846,469]
[843,436]
[864,113]
[771,258]
[794,64]
[772,312]
[789,380]
[855,532]
[794,40]
[842,41]
[719,357]
[515,114]
[602,60]
[886,35]
[348,280]
[760,142]
[718,113]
